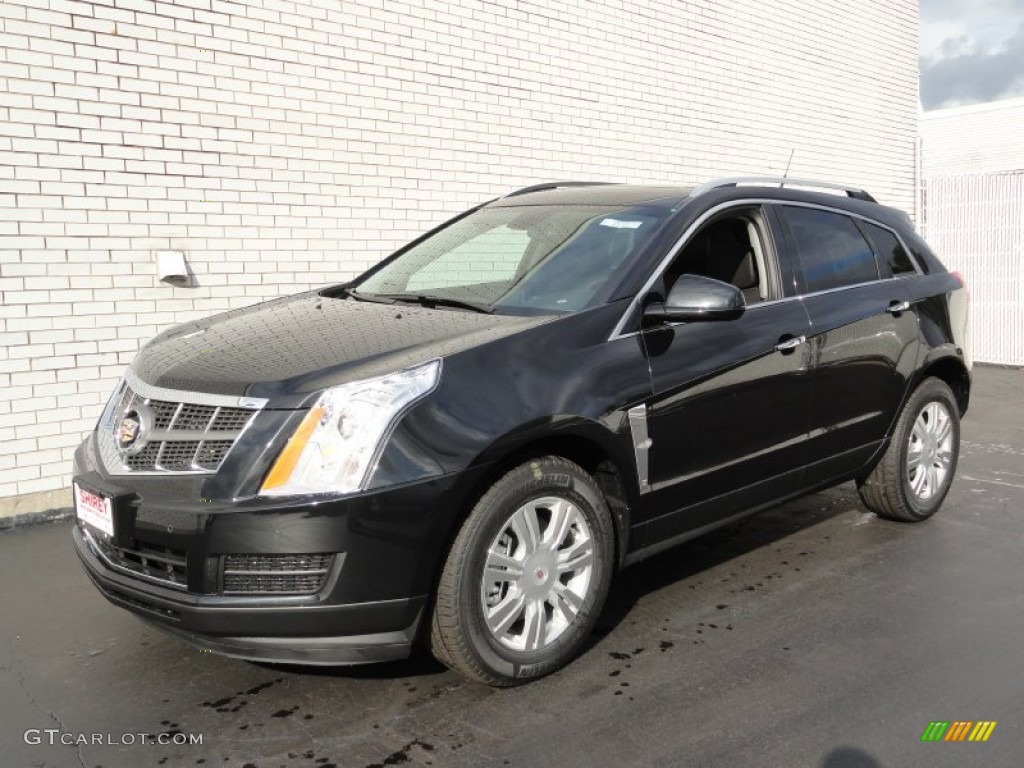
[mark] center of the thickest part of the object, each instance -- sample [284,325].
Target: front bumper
[250,628]
[386,548]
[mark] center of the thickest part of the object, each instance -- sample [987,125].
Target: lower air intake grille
[124,597]
[276,574]
[153,563]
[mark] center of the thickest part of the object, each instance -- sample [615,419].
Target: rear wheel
[527,575]
[911,481]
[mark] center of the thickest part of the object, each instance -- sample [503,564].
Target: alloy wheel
[537,574]
[930,451]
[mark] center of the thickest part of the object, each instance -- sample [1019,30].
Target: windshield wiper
[432,301]
[358,296]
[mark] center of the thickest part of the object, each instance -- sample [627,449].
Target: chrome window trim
[772,302]
[862,217]
[617,331]
[672,253]
[899,239]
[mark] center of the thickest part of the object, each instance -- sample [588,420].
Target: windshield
[547,258]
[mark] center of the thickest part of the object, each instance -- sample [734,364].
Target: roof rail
[556,185]
[782,181]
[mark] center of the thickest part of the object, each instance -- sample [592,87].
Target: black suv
[465,442]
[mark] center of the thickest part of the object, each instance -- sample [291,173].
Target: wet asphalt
[811,635]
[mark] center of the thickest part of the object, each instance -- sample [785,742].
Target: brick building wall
[283,145]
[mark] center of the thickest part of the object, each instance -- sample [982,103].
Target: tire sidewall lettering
[528,665]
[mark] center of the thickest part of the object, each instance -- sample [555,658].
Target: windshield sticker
[619,224]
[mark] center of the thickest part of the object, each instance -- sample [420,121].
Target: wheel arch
[586,443]
[943,364]
[952,370]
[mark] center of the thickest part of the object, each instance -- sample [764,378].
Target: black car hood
[289,348]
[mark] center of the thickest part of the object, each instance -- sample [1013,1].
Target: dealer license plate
[94,509]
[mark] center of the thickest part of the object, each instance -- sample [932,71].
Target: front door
[728,416]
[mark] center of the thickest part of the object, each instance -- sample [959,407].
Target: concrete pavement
[812,635]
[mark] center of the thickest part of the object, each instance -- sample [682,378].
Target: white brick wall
[980,138]
[285,144]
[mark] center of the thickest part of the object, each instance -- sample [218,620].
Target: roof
[600,192]
[611,194]
[596,194]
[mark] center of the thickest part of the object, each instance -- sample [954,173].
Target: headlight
[107,417]
[337,445]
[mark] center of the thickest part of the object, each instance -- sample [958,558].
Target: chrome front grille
[189,432]
[145,460]
[212,452]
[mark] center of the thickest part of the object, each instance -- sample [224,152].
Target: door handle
[896,307]
[790,343]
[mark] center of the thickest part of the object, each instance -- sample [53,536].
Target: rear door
[864,339]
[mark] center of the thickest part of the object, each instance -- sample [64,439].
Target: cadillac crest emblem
[130,432]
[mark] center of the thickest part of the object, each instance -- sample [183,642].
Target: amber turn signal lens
[282,469]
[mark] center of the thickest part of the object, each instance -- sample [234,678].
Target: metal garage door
[976,225]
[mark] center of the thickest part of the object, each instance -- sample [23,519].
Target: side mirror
[696,298]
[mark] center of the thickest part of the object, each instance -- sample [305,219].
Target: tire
[928,429]
[541,520]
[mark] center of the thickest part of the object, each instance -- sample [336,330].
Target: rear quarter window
[926,259]
[890,251]
[831,251]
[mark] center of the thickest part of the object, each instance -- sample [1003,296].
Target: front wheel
[527,575]
[911,481]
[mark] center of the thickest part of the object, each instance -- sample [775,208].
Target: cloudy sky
[971,51]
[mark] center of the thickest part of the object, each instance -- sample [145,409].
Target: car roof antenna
[790,163]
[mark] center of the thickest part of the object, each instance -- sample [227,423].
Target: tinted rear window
[833,253]
[890,251]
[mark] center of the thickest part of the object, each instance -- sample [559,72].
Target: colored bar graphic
[958,730]
[982,730]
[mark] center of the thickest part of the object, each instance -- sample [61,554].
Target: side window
[730,249]
[833,253]
[889,250]
[491,257]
